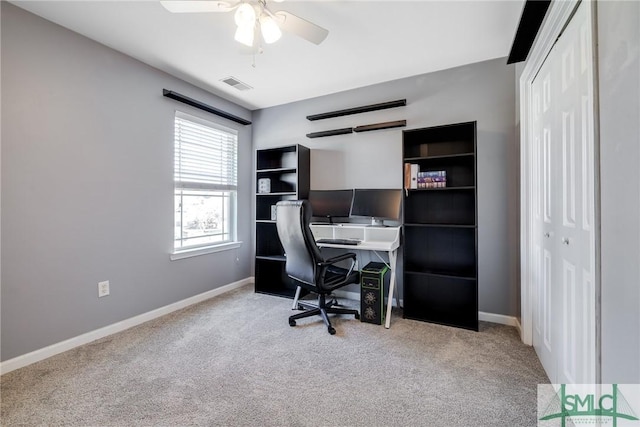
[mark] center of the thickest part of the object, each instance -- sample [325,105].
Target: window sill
[188,253]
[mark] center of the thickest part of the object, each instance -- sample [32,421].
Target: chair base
[323,309]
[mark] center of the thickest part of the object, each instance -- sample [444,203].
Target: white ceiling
[369,42]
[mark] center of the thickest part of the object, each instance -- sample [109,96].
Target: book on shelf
[432,179]
[411,171]
[407,175]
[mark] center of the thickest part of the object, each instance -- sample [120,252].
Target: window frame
[181,186]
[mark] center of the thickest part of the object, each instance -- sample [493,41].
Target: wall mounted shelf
[358,110]
[380,126]
[332,132]
[363,128]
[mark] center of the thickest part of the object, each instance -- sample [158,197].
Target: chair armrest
[336,259]
[330,261]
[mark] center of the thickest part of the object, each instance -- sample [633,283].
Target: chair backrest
[303,255]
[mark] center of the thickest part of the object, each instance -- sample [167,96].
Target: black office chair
[306,265]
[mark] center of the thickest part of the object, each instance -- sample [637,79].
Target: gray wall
[482,92]
[87,187]
[619,87]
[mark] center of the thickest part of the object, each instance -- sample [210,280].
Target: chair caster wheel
[292,323]
[331,330]
[357,316]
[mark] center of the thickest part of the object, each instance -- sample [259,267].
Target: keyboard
[339,241]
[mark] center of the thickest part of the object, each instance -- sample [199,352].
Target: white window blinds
[205,176]
[205,154]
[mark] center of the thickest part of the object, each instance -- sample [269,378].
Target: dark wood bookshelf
[287,169]
[440,228]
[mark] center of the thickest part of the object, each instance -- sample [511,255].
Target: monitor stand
[377,222]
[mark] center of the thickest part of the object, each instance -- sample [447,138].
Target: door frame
[558,16]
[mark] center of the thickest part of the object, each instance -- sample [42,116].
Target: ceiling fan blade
[301,27]
[198,6]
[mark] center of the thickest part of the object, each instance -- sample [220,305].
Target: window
[205,183]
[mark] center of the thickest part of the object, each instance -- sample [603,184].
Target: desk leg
[295,299]
[392,285]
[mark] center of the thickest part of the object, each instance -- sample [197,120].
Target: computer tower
[374,286]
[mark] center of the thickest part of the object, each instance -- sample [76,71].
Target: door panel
[568,169]
[569,322]
[577,243]
[543,206]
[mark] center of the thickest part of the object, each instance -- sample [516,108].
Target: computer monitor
[377,204]
[330,203]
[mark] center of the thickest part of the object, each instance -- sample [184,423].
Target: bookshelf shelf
[467,187]
[268,172]
[444,273]
[433,224]
[285,193]
[440,226]
[450,156]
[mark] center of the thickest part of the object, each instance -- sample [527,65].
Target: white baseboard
[485,317]
[52,350]
[498,318]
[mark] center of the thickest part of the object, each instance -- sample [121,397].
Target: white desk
[372,238]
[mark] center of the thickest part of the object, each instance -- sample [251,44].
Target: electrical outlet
[103,289]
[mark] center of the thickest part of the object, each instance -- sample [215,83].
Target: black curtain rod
[202,106]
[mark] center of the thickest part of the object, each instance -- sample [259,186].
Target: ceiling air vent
[233,82]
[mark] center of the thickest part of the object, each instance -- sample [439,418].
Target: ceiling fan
[252,15]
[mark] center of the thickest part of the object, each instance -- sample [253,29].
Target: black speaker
[374,285]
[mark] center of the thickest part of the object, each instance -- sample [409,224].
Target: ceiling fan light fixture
[245,15]
[270,30]
[244,35]
[251,16]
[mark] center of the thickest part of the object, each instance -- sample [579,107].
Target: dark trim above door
[531,19]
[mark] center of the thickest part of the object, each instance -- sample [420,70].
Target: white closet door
[564,312]
[544,216]
[575,233]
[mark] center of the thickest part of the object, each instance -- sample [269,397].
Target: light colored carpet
[234,361]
